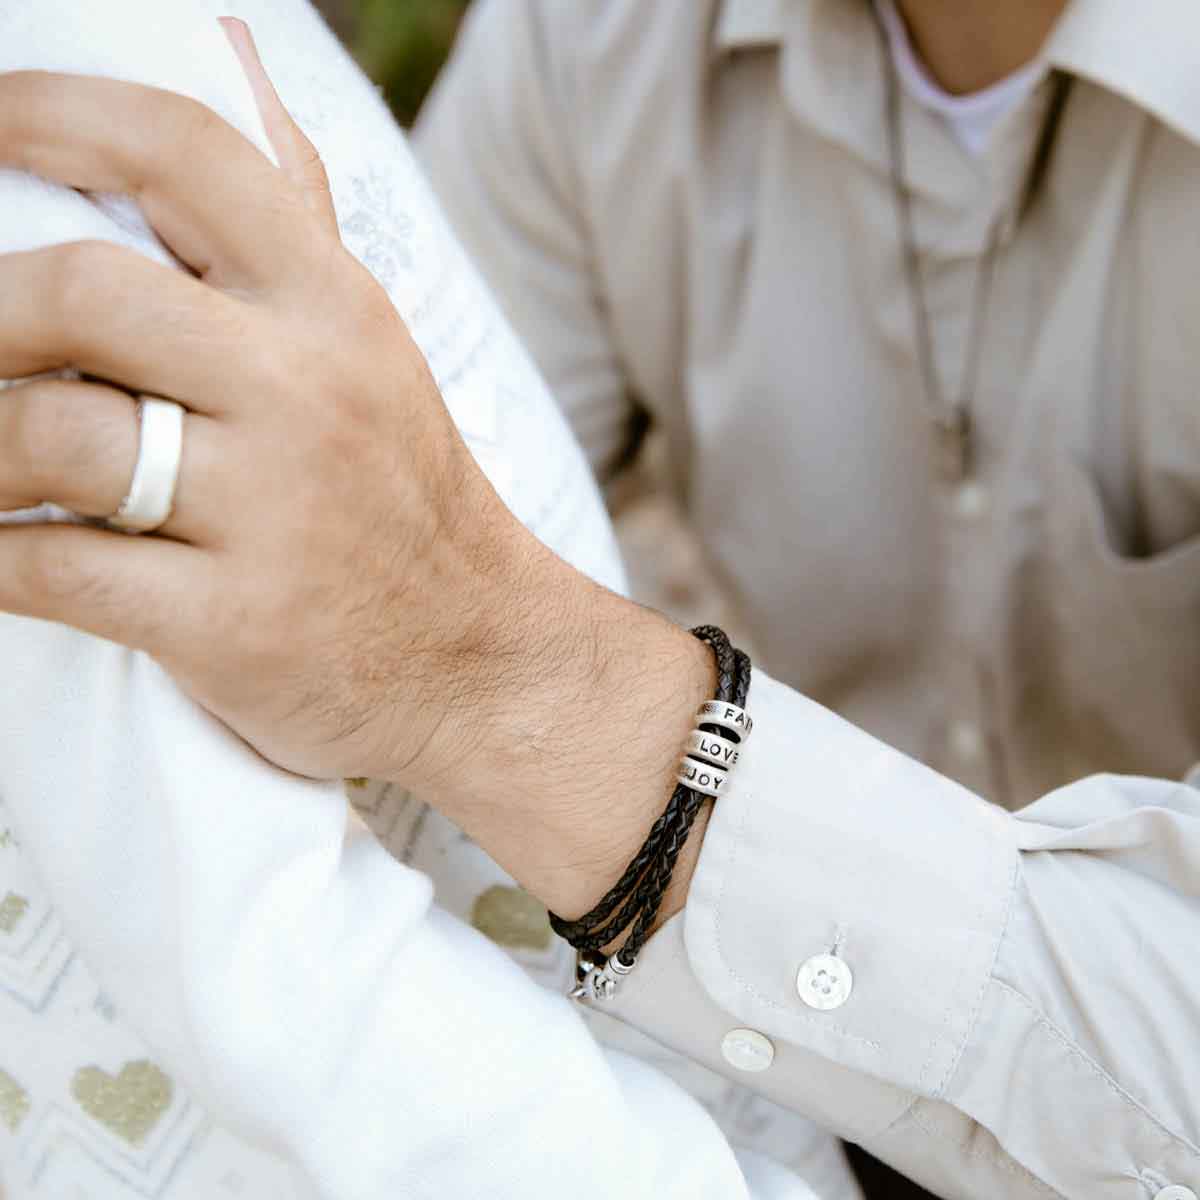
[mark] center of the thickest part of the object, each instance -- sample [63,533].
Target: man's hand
[338,581]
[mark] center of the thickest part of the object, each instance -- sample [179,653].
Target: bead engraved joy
[702,778]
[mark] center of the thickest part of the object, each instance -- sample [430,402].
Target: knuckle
[96,440]
[183,125]
[275,369]
[345,404]
[35,431]
[250,628]
[55,437]
[74,280]
[26,98]
[24,442]
[56,573]
[314,165]
[169,131]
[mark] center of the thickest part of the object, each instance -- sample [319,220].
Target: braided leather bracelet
[635,899]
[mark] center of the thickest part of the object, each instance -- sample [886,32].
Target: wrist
[570,728]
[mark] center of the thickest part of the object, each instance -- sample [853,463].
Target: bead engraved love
[719,751]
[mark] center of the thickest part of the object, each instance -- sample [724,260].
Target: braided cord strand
[584,929]
[680,830]
[637,898]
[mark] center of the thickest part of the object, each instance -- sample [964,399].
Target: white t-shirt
[971,117]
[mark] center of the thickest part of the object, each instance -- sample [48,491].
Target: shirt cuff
[831,846]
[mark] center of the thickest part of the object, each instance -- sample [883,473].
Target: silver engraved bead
[711,748]
[585,967]
[610,976]
[726,716]
[702,777]
[598,982]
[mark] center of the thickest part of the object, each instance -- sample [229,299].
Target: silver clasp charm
[598,978]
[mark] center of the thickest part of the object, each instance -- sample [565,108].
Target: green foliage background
[401,44]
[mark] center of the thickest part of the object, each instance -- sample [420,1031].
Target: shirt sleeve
[1001,1005]
[494,139]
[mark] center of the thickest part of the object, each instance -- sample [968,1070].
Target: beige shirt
[686,209]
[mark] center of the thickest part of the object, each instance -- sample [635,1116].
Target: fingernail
[234,27]
[242,40]
[244,46]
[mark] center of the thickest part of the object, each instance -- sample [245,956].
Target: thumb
[298,157]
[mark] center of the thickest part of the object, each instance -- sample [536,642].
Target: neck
[969,44]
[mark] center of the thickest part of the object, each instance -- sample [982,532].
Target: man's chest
[1054,595]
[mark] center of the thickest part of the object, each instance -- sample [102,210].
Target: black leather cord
[678,837]
[578,930]
[637,896]
[573,931]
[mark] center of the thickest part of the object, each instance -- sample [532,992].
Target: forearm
[576,727]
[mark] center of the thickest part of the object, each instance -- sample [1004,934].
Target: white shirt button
[747,1050]
[970,500]
[966,741]
[825,982]
[1175,1192]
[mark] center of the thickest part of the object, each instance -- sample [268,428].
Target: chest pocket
[1127,638]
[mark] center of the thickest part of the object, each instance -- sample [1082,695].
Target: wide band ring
[726,716]
[151,496]
[710,748]
[702,777]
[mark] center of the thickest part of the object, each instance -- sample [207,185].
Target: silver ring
[727,716]
[156,474]
[702,777]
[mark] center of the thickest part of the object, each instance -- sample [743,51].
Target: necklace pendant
[953,436]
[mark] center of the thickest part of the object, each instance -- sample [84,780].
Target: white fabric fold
[294,978]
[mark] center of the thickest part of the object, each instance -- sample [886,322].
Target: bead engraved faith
[727,716]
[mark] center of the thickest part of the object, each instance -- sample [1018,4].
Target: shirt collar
[1145,52]
[742,24]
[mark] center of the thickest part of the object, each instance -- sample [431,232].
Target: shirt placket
[953,233]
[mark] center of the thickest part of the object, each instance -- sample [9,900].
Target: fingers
[75,445]
[219,203]
[298,157]
[113,313]
[150,594]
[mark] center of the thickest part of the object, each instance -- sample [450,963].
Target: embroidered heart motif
[512,917]
[130,1105]
[14,1102]
[12,909]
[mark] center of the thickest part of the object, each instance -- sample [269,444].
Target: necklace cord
[952,420]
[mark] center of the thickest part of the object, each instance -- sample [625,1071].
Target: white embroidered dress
[208,987]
